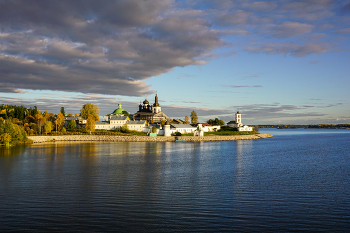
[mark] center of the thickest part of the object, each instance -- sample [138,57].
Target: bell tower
[156,108]
[238,118]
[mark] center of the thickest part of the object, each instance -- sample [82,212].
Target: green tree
[90,109]
[125,113]
[72,125]
[217,121]
[5,138]
[90,123]
[47,127]
[154,129]
[17,133]
[62,111]
[124,129]
[194,118]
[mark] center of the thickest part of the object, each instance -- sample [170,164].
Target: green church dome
[119,110]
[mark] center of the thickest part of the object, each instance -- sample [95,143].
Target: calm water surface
[298,180]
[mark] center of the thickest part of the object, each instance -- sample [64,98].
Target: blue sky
[277,62]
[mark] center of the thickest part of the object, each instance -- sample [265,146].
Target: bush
[154,129]
[177,133]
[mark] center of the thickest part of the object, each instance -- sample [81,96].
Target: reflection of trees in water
[12,151]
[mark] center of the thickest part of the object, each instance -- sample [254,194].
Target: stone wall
[111,138]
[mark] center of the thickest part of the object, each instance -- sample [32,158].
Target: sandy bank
[110,138]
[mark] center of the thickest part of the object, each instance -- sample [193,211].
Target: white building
[117,119]
[207,127]
[237,123]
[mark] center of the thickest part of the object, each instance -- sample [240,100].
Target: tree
[154,129]
[59,121]
[194,118]
[187,120]
[125,113]
[17,133]
[72,125]
[5,138]
[217,121]
[124,129]
[47,126]
[62,111]
[39,119]
[88,109]
[90,123]
[69,115]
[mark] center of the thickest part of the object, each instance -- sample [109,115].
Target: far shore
[112,138]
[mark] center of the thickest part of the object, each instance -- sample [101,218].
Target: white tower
[238,119]
[167,132]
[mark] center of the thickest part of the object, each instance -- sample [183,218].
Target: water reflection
[146,186]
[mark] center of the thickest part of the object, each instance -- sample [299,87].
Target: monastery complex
[149,116]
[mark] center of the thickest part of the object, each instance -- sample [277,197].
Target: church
[150,113]
[238,123]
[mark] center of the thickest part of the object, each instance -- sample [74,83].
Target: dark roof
[101,122]
[121,118]
[136,122]
[71,118]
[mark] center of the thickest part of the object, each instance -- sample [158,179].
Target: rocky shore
[110,138]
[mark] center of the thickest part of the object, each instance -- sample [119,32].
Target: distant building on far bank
[237,123]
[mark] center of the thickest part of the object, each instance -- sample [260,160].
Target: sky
[276,62]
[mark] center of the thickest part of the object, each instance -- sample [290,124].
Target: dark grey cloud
[112,47]
[93,47]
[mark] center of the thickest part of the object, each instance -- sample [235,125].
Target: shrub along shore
[112,138]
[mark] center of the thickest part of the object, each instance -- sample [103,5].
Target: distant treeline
[319,126]
[19,112]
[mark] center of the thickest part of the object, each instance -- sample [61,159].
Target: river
[299,180]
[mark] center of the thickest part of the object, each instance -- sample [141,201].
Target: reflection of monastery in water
[151,113]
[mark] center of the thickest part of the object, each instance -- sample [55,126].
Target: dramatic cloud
[89,47]
[113,47]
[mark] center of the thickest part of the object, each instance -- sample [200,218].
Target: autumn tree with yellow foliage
[90,123]
[88,109]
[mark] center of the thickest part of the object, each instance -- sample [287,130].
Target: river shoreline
[112,138]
